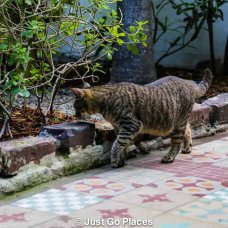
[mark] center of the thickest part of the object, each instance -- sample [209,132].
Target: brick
[20,152]
[219,105]
[72,134]
[200,114]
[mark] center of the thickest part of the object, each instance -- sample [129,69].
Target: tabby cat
[160,109]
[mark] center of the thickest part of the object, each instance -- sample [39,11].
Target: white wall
[189,57]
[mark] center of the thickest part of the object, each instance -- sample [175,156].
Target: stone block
[105,135]
[72,134]
[219,105]
[20,152]
[104,132]
[200,114]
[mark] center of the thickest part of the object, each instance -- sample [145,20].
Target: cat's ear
[77,92]
[82,92]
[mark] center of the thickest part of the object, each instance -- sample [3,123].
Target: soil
[26,121]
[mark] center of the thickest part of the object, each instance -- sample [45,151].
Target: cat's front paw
[167,159]
[186,150]
[142,148]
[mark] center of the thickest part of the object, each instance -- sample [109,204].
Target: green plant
[32,32]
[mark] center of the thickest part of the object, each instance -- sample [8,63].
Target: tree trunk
[225,66]
[211,36]
[126,66]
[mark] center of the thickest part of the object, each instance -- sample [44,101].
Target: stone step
[77,133]
[200,114]
[219,105]
[17,153]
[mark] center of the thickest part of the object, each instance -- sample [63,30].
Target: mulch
[26,121]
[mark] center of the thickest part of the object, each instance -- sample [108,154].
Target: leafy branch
[32,32]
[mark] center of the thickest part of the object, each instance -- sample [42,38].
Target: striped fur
[161,110]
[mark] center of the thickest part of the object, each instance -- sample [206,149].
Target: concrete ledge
[200,114]
[219,106]
[76,133]
[20,152]
[52,167]
[197,132]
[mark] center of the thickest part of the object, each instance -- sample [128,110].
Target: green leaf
[11,60]
[21,92]
[27,34]
[102,20]
[28,2]
[114,13]
[119,42]
[121,34]
[133,49]
[132,29]
[109,56]
[24,93]
[3,47]
[141,23]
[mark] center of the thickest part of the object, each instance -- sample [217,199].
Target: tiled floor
[191,192]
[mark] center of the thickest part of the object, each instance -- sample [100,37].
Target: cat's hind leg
[176,141]
[127,133]
[187,140]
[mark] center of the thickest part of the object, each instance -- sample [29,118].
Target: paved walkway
[191,192]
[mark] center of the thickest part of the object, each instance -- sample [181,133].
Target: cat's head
[83,101]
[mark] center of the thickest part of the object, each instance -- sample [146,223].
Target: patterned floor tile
[217,146]
[154,155]
[223,163]
[57,202]
[63,221]
[211,172]
[11,217]
[99,187]
[111,211]
[155,198]
[135,175]
[190,185]
[206,210]
[169,220]
[177,167]
[221,195]
[202,156]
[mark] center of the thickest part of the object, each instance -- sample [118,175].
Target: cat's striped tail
[205,83]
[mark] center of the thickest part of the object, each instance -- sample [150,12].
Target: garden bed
[27,121]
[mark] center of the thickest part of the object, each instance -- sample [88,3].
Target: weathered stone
[200,114]
[219,105]
[104,132]
[56,166]
[78,133]
[20,152]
